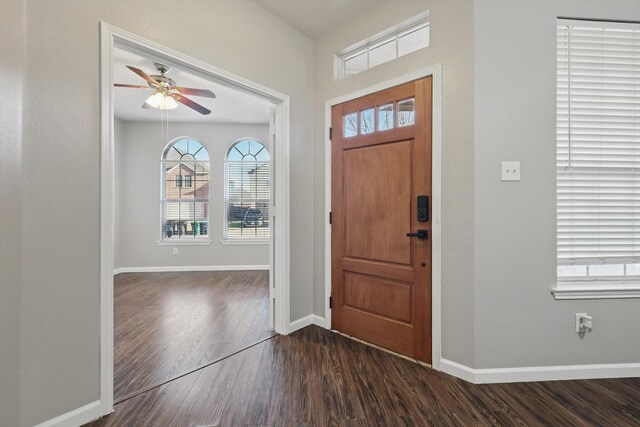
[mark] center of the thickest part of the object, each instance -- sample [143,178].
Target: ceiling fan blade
[195,92]
[189,103]
[132,86]
[144,75]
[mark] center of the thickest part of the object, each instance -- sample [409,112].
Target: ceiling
[317,17]
[229,106]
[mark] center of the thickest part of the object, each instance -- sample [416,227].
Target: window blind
[598,143]
[247,199]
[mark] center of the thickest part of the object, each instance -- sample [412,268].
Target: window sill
[245,241]
[596,290]
[194,242]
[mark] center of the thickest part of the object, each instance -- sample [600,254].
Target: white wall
[498,239]
[451,35]
[11,85]
[138,149]
[59,319]
[517,321]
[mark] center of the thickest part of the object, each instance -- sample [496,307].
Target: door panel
[381,162]
[378,296]
[379,202]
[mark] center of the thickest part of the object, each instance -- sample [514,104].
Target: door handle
[420,234]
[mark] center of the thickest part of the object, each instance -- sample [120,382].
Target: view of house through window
[598,151]
[185,191]
[247,190]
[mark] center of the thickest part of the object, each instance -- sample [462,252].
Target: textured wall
[11,84]
[517,321]
[451,44]
[138,195]
[60,313]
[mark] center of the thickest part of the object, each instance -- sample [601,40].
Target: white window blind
[247,190]
[598,147]
[184,203]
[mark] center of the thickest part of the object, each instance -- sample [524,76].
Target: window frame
[589,286]
[249,240]
[392,34]
[184,240]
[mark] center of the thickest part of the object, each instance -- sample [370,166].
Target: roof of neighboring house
[204,165]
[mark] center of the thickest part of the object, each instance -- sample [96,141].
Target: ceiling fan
[166,93]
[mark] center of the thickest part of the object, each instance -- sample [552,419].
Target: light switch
[511,171]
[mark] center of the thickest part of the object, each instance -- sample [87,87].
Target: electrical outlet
[584,323]
[175,251]
[511,171]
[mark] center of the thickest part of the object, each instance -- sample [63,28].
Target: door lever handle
[420,234]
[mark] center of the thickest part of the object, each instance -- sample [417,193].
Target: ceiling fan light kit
[166,94]
[161,101]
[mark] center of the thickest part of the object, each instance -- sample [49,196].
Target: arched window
[185,191]
[247,190]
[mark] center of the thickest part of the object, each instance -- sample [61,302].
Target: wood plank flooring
[169,323]
[315,377]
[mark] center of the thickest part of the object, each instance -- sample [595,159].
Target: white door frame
[111,37]
[436,204]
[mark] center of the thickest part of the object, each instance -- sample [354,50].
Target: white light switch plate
[511,171]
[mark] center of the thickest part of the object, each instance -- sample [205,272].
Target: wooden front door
[381,163]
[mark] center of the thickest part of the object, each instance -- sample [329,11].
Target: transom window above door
[184,204]
[247,190]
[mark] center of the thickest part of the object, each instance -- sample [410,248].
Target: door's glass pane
[413,41]
[355,64]
[406,112]
[382,53]
[385,117]
[367,121]
[350,125]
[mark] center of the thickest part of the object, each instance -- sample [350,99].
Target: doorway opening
[187,224]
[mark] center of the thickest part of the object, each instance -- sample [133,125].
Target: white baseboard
[540,373]
[77,417]
[190,268]
[311,319]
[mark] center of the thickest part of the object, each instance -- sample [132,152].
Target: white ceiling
[317,17]
[229,106]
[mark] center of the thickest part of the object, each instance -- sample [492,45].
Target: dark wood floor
[169,323]
[314,377]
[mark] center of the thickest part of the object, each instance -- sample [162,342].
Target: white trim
[436,176]
[190,268]
[107,225]
[540,373]
[111,36]
[395,32]
[312,319]
[77,417]
[593,290]
[185,242]
[245,241]
[280,226]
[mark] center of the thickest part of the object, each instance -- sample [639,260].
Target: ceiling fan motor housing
[162,79]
